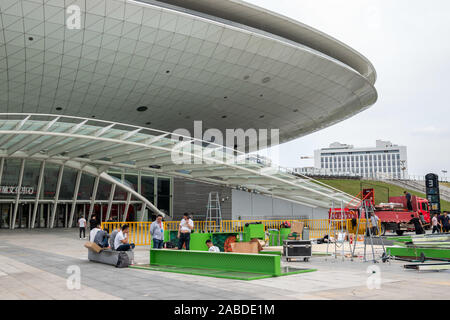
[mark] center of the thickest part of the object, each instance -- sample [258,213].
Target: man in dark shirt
[446,222]
[417,225]
[408,200]
[93,222]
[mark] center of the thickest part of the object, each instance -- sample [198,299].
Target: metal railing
[139,233]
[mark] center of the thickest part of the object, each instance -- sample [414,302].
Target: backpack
[168,245]
[123,261]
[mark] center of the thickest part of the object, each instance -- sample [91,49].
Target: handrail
[140,231]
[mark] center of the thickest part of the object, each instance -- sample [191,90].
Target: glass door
[5,211]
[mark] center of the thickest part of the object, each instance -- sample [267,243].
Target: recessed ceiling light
[142,109]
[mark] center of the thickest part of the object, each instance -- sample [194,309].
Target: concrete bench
[108,256]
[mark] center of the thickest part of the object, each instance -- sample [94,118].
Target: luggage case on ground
[297,249]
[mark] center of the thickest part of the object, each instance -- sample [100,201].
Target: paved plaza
[36,265]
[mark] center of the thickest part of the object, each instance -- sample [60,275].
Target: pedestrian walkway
[34,265]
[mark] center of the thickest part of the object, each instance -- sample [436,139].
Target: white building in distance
[385,160]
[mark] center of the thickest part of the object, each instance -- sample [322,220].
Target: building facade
[89,110]
[385,160]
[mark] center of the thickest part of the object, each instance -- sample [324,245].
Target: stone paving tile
[33,265]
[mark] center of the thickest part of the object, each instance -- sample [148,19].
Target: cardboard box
[93,246]
[297,227]
[245,247]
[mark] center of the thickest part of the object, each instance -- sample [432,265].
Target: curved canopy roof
[259,18]
[106,145]
[177,66]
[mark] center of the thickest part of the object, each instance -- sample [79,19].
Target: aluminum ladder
[213,213]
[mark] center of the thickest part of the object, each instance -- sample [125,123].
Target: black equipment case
[297,249]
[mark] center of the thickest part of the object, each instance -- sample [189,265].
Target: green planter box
[253,231]
[274,238]
[238,262]
[198,241]
[284,233]
[416,252]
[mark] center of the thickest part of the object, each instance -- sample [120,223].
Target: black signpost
[432,188]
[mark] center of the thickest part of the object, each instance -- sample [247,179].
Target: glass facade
[63,205]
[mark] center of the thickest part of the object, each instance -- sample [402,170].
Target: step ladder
[213,213]
[366,211]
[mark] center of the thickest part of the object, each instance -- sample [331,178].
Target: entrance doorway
[5,215]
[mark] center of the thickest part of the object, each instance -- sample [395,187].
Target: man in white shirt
[184,231]
[82,225]
[121,242]
[94,231]
[211,246]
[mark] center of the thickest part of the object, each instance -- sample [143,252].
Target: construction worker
[435,224]
[374,223]
[446,222]
[408,201]
[418,226]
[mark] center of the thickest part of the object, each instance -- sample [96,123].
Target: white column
[75,197]
[144,206]
[19,186]
[2,165]
[127,206]
[58,187]
[111,198]
[38,193]
[94,195]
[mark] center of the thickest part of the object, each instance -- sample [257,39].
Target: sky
[408,43]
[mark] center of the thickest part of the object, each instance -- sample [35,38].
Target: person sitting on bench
[101,238]
[121,242]
[94,229]
[211,246]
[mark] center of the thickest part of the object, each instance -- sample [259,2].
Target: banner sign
[15,190]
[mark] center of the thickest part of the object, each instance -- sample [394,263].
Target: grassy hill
[382,190]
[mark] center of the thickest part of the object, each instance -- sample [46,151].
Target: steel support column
[19,186]
[58,188]
[94,195]
[144,206]
[38,193]
[111,198]
[75,196]
[2,165]
[127,206]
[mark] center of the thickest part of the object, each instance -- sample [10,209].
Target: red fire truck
[394,216]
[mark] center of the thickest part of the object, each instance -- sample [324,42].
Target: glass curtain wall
[156,189]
